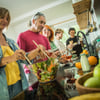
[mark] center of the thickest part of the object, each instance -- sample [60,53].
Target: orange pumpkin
[78,65]
[92,60]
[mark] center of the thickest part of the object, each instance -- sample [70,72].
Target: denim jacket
[4,95]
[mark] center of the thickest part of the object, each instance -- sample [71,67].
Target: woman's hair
[35,17]
[4,11]
[57,31]
[71,29]
[51,38]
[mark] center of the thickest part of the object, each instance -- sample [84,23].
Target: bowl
[46,71]
[90,96]
[82,89]
[64,59]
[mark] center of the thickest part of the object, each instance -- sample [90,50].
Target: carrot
[50,67]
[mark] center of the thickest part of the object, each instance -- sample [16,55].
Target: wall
[13,30]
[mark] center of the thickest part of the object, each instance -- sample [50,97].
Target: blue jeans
[15,89]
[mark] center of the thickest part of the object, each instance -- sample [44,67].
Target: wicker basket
[90,96]
[81,6]
[84,90]
[82,20]
[81,10]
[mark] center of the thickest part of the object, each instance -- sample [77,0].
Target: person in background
[59,44]
[25,40]
[72,42]
[12,76]
[49,33]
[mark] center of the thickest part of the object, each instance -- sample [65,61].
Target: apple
[96,71]
[92,82]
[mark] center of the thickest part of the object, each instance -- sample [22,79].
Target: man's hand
[70,46]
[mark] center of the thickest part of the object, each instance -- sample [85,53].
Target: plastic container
[84,63]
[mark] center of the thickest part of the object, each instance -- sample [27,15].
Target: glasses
[69,75]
